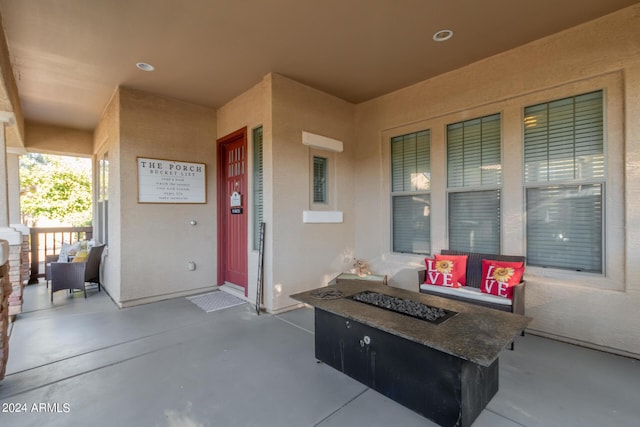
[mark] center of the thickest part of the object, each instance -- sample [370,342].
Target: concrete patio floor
[171,364]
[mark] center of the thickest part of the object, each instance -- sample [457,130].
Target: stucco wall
[250,110]
[156,241]
[599,310]
[45,138]
[305,256]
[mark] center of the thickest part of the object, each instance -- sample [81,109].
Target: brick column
[13,237]
[19,268]
[15,267]
[5,290]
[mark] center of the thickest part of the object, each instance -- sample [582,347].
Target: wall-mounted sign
[171,181]
[236,211]
[236,199]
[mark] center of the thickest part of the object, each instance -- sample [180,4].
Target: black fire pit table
[436,356]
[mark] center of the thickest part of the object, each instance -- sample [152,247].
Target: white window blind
[410,185]
[474,221]
[564,227]
[473,152]
[258,210]
[563,139]
[474,178]
[565,179]
[320,165]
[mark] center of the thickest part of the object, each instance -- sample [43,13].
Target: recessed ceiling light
[442,35]
[145,67]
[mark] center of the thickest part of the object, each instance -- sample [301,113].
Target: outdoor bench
[471,293]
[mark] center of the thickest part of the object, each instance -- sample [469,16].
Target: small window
[258,210]
[320,177]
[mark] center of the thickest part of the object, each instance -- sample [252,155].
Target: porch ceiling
[68,57]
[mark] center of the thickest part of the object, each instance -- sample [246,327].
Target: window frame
[613,277]
[257,189]
[393,195]
[476,187]
[102,202]
[567,183]
[330,203]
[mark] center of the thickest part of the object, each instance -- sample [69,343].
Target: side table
[373,278]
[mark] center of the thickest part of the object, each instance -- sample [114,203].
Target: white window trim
[328,148]
[322,142]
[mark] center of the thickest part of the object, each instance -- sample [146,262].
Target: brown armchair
[75,275]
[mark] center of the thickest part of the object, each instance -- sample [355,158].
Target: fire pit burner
[404,306]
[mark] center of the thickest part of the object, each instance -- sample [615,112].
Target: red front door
[232,209]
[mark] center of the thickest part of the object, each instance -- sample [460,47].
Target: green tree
[55,188]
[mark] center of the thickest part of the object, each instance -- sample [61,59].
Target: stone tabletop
[476,334]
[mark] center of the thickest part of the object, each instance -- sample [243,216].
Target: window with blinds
[564,174]
[258,210]
[320,172]
[410,192]
[102,225]
[474,180]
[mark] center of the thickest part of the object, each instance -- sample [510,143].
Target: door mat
[216,300]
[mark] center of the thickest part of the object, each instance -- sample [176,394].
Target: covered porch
[169,363]
[141,354]
[163,251]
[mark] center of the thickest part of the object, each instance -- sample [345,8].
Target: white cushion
[468,292]
[64,252]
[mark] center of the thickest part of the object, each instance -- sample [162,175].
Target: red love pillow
[499,277]
[459,266]
[441,273]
